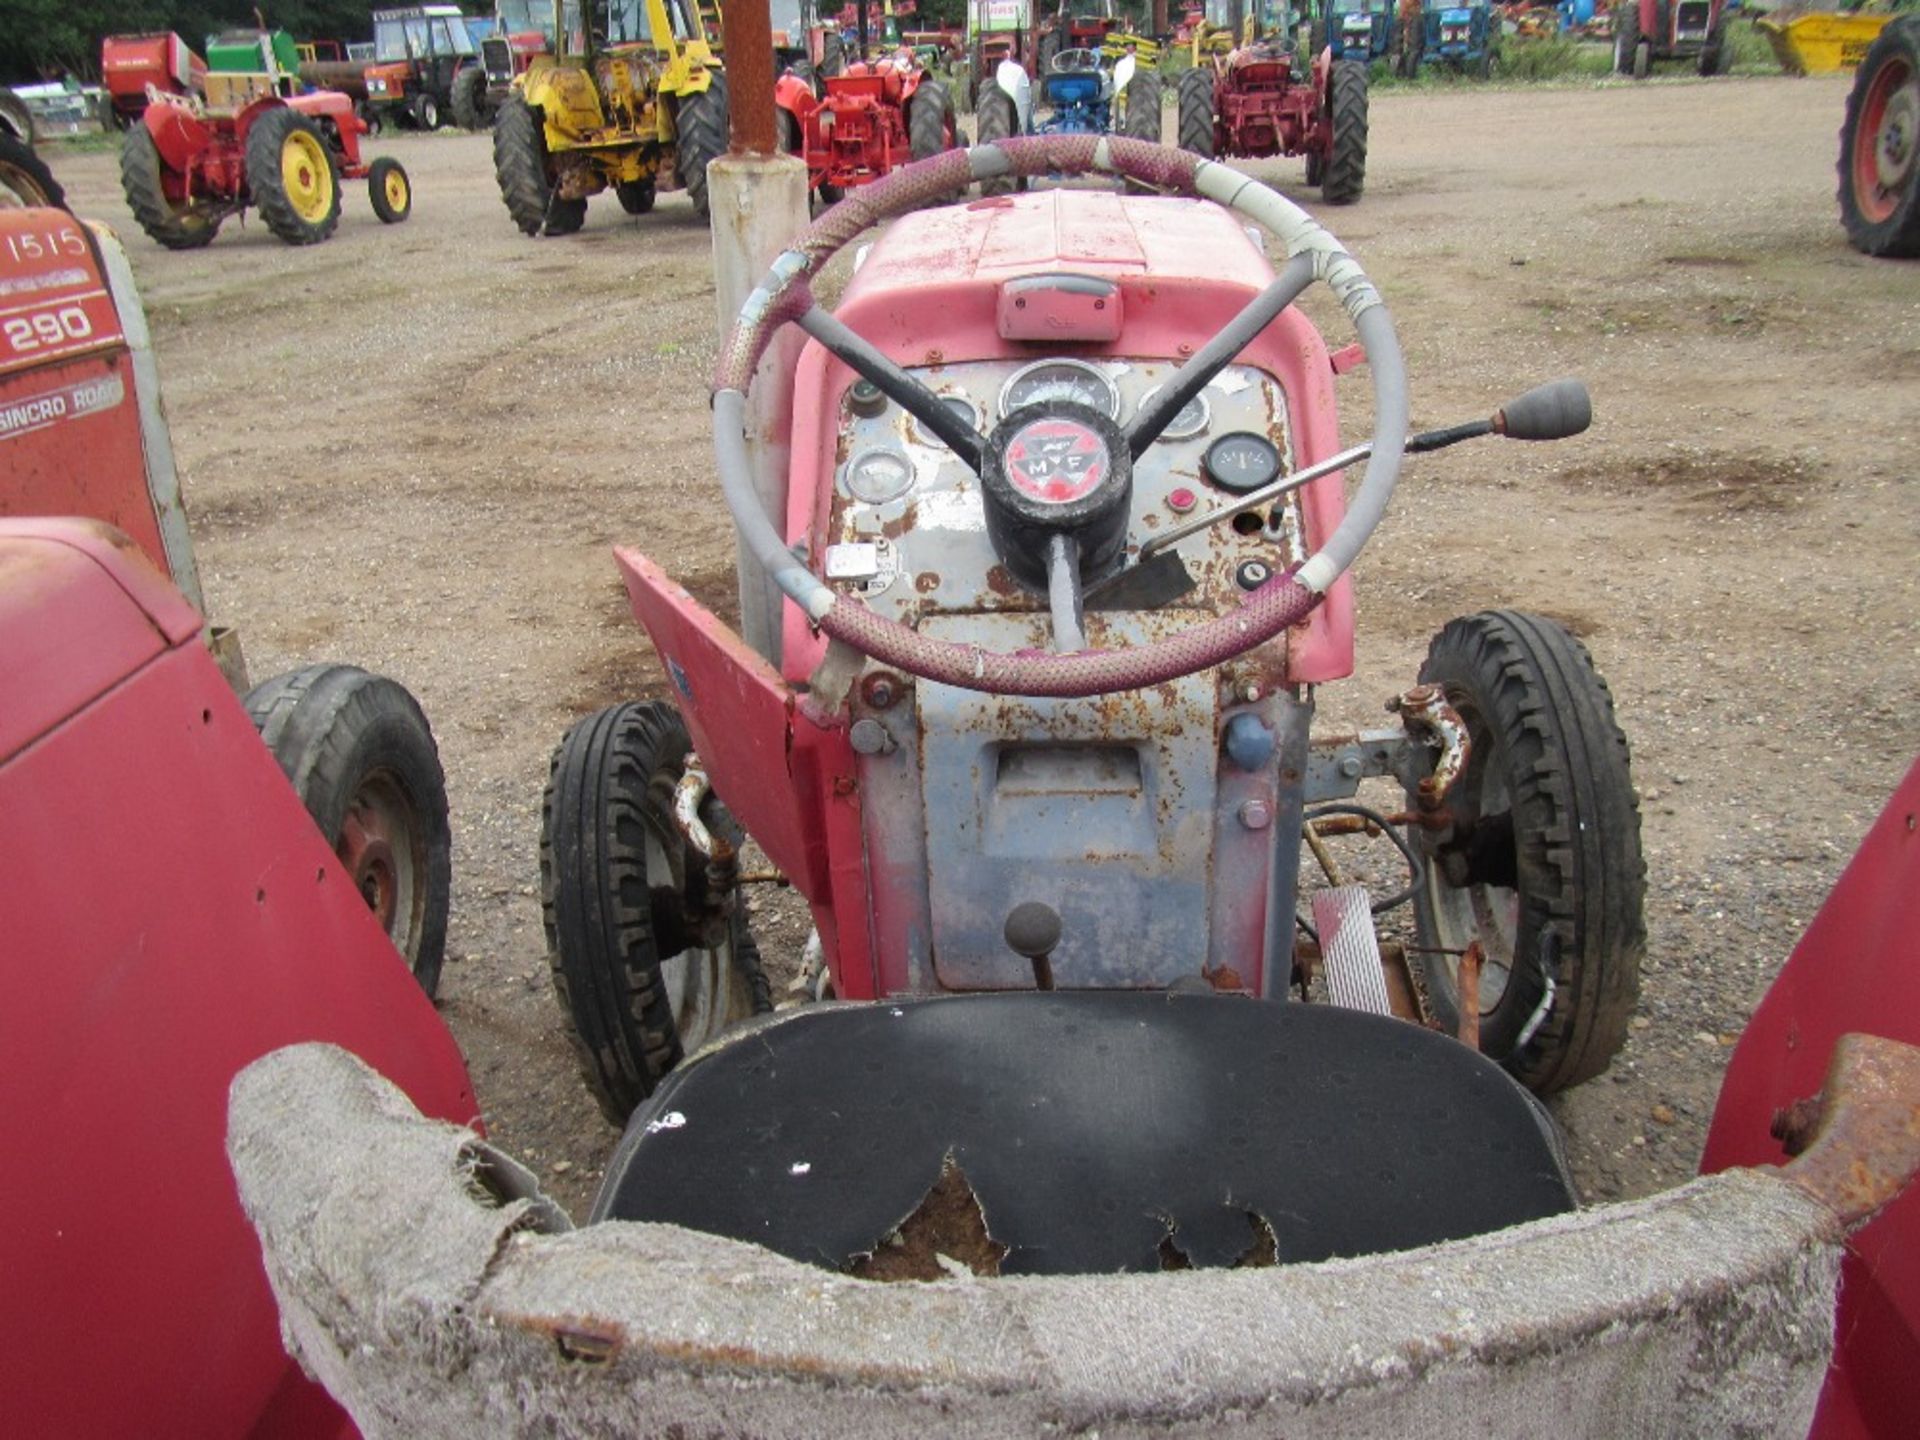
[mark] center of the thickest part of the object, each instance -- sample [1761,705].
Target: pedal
[1349,949]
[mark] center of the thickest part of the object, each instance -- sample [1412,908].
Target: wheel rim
[1886,140]
[18,190]
[395,186]
[696,978]
[384,851]
[306,176]
[1489,914]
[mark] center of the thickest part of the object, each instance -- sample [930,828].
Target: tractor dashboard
[908,528]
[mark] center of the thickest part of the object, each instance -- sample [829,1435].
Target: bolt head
[1350,767]
[1256,814]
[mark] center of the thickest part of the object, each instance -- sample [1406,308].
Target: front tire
[930,123]
[995,120]
[520,164]
[1544,867]
[361,756]
[1143,106]
[292,177]
[1880,146]
[1626,37]
[469,99]
[700,125]
[635,196]
[389,190]
[1194,97]
[628,913]
[426,112]
[1346,173]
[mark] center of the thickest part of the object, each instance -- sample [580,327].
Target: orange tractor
[246,138]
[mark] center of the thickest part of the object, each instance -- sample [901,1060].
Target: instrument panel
[907,531]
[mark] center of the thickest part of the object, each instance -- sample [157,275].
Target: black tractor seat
[1099,1131]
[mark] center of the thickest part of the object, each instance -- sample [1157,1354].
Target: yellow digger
[632,99]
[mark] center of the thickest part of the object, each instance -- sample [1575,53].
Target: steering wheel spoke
[897,385]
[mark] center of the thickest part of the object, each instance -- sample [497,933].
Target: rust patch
[1863,1148]
[926,582]
[1225,978]
[1000,582]
[1172,1257]
[1265,1249]
[947,1222]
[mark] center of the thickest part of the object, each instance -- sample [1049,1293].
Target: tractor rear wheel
[184,225]
[389,190]
[1143,106]
[469,99]
[700,123]
[635,196]
[1195,96]
[24,176]
[362,758]
[833,53]
[648,963]
[994,120]
[930,123]
[1626,37]
[1543,868]
[292,177]
[1880,145]
[1345,175]
[520,165]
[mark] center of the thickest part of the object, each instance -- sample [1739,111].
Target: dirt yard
[412,448]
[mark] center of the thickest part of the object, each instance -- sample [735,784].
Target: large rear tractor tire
[361,756]
[520,167]
[995,119]
[24,176]
[1346,167]
[1626,37]
[1880,145]
[1543,867]
[178,226]
[469,99]
[640,975]
[931,127]
[700,125]
[292,177]
[833,53]
[389,190]
[1194,96]
[1143,106]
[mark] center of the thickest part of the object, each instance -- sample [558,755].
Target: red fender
[178,134]
[796,97]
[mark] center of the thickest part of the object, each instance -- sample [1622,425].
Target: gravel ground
[412,447]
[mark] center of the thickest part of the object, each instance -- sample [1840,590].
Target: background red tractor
[249,140]
[1648,30]
[873,117]
[1262,100]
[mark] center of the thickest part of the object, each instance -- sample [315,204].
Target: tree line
[48,39]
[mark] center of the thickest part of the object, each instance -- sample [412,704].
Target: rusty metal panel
[1101,808]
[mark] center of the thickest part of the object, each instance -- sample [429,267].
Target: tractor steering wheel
[785,296]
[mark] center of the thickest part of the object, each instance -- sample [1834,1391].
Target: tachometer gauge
[1242,461]
[877,476]
[1073,380]
[1191,421]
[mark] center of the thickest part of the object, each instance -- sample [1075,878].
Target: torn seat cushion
[1100,1131]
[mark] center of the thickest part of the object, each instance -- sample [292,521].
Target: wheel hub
[368,853]
[1894,148]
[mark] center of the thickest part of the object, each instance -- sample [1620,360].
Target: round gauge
[963,410]
[1191,421]
[877,476]
[1073,380]
[1242,461]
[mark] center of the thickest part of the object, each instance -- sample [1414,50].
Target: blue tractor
[1359,29]
[1463,37]
[1082,95]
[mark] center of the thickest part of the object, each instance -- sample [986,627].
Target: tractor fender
[178,134]
[796,97]
[244,122]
